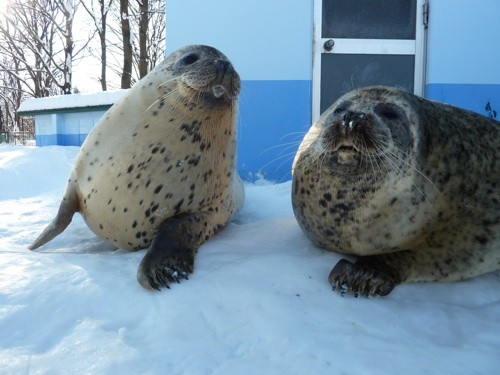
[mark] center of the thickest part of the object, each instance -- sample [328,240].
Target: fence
[18,138]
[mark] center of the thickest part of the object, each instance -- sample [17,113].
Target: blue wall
[480,98]
[274,115]
[270,44]
[46,129]
[464,54]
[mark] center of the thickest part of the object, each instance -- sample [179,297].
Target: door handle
[328,45]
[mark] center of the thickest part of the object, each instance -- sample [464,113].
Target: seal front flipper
[171,254]
[370,276]
[67,209]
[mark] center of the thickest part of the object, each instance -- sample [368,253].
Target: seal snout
[350,119]
[349,132]
[222,65]
[226,75]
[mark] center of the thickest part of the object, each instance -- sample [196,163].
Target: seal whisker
[311,159]
[388,157]
[164,96]
[413,166]
[301,134]
[288,146]
[321,160]
[372,156]
[173,79]
[286,156]
[172,93]
[372,160]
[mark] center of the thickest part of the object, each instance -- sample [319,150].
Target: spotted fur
[409,185]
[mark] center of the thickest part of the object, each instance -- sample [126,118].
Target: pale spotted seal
[409,185]
[158,171]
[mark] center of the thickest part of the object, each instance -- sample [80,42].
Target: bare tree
[127,45]
[67,9]
[24,59]
[143,17]
[156,37]
[38,36]
[150,16]
[142,38]
[36,54]
[99,18]
[21,66]
[11,95]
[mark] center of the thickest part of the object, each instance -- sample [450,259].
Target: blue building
[296,57]
[67,119]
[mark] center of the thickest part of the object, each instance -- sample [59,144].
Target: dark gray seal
[408,185]
[158,171]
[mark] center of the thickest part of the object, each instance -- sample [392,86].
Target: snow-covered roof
[73,101]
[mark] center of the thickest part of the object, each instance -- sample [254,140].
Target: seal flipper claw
[160,267]
[343,289]
[358,279]
[152,283]
[335,285]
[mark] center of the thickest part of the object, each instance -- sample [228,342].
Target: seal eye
[390,114]
[342,107]
[388,111]
[190,59]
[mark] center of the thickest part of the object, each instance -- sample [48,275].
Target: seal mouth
[346,148]
[219,90]
[216,94]
[345,138]
[350,149]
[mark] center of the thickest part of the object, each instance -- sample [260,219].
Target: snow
[258,301]
[71,101]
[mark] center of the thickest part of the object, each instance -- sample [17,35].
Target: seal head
[206,73]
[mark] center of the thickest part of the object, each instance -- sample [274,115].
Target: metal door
[361,43]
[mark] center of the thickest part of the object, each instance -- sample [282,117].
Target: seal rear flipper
[67,209]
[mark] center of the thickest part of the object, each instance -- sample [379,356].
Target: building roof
[70,103]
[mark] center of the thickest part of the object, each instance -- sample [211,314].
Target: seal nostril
[347,118]
[350,118]
[221,64]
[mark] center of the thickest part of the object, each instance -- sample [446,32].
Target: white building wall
[265,39]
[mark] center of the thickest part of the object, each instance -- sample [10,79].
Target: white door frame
[415,47]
